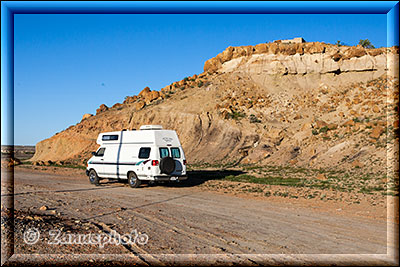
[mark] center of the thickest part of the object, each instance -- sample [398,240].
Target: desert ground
[186,222]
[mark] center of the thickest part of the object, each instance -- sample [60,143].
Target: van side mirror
[94,154]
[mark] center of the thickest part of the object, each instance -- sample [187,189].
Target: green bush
[254,119]
[323,129]
[236,115]
[366,43]
[200,84]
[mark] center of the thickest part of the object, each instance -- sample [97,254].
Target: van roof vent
[151,127]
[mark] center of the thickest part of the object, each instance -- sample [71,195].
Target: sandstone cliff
[306,104]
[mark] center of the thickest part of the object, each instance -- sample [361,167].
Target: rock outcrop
[85,116]
[101,109]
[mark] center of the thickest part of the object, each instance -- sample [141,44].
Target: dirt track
[186,220]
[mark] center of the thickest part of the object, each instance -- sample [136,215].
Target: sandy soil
[188,223]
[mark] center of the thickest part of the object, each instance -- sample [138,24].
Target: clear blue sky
[67,65]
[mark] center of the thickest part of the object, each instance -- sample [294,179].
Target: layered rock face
[305,104]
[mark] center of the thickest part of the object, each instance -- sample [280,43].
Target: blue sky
[67,65]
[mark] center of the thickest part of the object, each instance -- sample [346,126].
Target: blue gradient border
[8,9]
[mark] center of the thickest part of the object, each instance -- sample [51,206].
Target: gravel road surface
[185,220]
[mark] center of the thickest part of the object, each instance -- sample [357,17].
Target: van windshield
[164,152]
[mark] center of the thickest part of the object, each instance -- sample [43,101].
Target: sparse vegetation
[366,43]
[324,129]
[254,119]
[339,43]
[236,115]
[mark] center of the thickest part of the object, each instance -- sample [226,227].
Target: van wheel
[134,182]
[93,178]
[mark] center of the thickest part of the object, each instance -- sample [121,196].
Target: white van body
[140,152]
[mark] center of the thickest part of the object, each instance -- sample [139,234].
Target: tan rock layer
[290,49]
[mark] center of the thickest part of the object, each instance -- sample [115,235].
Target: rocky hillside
[304,104]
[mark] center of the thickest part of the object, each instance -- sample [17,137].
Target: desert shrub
[236,115]
[254,119]
[366,43]
[323,129]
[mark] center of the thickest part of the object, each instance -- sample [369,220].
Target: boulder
[376,132]
[102,108]
[117,105]
[332,126]
[130,99]
[357,164]
[287,49]
[273,48]
[313,48]
[321,124]
[139,105]
[226,55]
[349,123]
[376,109]
[85,116]
[261,48]
[212,65]
[144,92]
[153,95]
[299,48]
[358,51]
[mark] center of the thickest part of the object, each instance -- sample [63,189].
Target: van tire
[93,177]
[167,165]
[133,180]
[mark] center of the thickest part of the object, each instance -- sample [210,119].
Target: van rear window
[144,152]
[175,152]
[109,137]
[164,152]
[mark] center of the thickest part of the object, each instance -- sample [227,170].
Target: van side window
[164,152]
[175,152]
[100,152]
[144,152]
[109,137]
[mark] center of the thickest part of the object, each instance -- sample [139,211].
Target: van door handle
[101,159]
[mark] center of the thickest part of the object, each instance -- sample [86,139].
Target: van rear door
[176,154]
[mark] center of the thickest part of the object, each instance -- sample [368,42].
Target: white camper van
[150,154]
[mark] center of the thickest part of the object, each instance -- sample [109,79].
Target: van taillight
[154,162]
[184,162]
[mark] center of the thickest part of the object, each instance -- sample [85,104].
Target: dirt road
[185,220]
